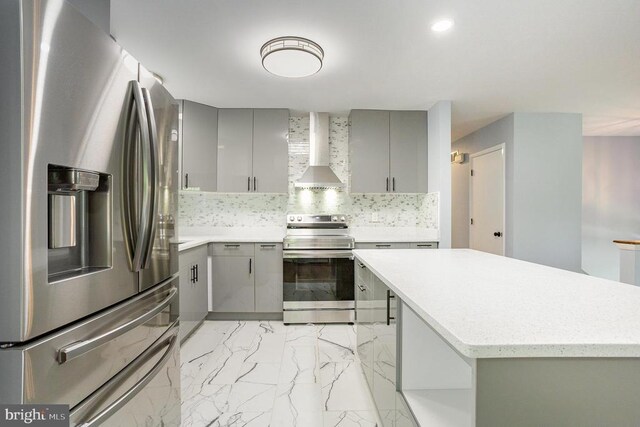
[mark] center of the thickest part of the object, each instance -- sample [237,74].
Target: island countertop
[488,306]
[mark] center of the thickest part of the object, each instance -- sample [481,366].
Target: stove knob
[292,218]
[299,218]
[343,219]
[334,218]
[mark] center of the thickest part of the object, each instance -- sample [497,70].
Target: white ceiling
[501,56]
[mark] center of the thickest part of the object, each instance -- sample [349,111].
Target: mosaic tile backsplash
[199,209]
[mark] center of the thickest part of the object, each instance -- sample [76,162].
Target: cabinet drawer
[424,245]
[232,249]
[382,245]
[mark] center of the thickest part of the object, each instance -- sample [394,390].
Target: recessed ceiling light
[291,56]
[442,25]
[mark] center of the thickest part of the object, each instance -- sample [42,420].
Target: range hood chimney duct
[319,174]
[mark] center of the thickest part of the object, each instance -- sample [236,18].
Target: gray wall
[98,11]
[439,169]
[610,201]
[543,186]
[547,189]
[498,132]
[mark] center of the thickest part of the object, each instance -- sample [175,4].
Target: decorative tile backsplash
[251,210]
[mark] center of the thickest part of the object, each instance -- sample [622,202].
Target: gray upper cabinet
[199,146]
[235,150]
[268,277]
[369,151]
[252,150]
[388,151]
[270,150]
[408,151]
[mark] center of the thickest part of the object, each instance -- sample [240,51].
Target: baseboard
[244,316]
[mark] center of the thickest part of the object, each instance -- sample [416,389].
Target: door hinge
[471,221]
[471,172]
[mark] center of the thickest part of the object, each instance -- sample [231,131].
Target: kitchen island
[469,338]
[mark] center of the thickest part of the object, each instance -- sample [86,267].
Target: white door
[486,201]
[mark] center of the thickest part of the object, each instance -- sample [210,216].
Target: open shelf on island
[448,407]
[437,381]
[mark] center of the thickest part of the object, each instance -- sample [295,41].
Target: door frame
[501,147]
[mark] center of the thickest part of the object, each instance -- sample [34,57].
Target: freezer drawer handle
[134,390]
[81,347]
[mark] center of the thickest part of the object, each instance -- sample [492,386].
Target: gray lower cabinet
[268,277]
[384,245]
[193,288]
[384,351]
[398,245]
[423,245]
[376,332]
[246,277]
[232,284]
[364,320]
[199,126]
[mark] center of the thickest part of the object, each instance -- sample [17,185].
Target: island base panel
[558,391]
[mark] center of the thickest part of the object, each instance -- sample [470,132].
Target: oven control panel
[316,220]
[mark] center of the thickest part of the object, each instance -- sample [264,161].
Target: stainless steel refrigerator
[88,239]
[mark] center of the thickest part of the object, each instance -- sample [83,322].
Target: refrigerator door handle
[137,387]
[133,209]
[81,347]
[152,191]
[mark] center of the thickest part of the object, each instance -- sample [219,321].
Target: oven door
[318,279]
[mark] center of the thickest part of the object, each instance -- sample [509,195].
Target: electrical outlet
[375,217]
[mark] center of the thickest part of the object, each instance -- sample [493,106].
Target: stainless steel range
[318,270]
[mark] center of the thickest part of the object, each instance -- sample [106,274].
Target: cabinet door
[201,288]
[408,151]
[235,149]
[384,352]
[186,286]
[364,332]
[232,287]
[268,277]
[270,151]
[199,146]
[369,151]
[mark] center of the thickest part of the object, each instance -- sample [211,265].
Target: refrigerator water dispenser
[80,209]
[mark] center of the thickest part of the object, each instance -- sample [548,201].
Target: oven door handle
[292,254]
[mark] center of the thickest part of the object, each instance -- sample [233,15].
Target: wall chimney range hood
[319,175]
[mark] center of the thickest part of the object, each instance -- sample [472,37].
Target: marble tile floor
[251,373]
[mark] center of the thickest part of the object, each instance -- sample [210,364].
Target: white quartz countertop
[196,238]
[394,234]
[193,237]
[487,306]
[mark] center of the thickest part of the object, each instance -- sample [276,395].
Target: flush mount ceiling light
[442,25]
[291,56]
